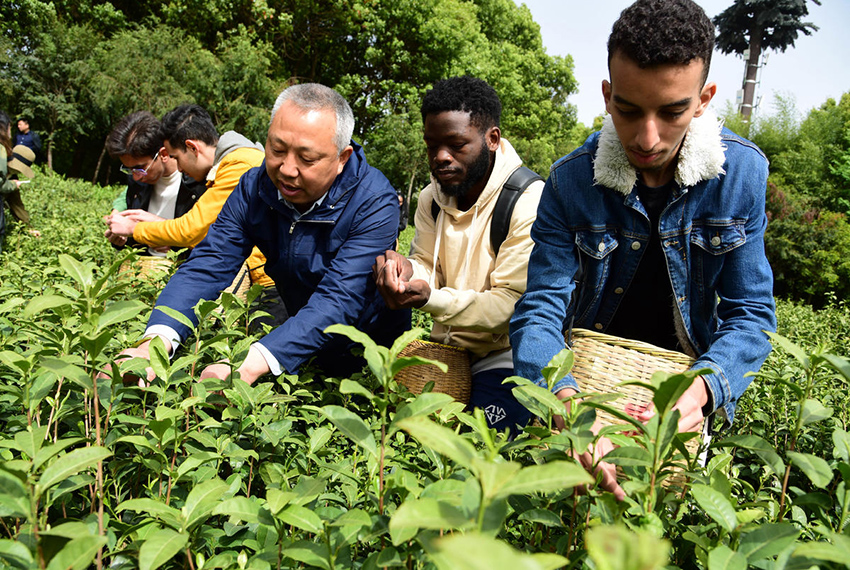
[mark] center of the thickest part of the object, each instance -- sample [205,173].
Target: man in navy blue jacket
[320,214]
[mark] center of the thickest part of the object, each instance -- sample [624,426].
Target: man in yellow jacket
[454,272]
[191,139]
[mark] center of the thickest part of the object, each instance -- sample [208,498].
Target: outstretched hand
[690,406]
[392,272]
[141,351]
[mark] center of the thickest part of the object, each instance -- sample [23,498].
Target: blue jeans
[496,399]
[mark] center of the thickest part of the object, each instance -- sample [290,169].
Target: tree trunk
[751,74]
[99,162]
[50,153]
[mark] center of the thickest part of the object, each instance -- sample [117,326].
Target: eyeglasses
[135,170]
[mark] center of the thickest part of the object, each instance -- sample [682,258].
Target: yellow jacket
[191,228]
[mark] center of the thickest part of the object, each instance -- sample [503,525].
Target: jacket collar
[701,157]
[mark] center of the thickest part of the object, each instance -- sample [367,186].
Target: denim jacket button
[715,241]
[618,291]
[635,245]
[598,326]
[601,247]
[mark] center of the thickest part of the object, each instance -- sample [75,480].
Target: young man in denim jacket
[653,229]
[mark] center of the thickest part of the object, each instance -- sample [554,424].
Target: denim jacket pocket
[713,240]
[595,248]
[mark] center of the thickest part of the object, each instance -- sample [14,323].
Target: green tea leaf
[160,547]
[815,468]
[839,363]
[440,439]
[77,553]
[201,501]
[473,551]
[791,349]
[16,554]
[303,518]
[77,271]
[155,509]
[670,389]
[558,367]
[539,400]
[70,464]
[617,548]
[43,303]
[813,411]
[428,513]
[629,456]
[64,369]
[239,508]
[767,541]
[841,441]
[716,506]
[353,427]
[423,405]
[351,387]
[309,553]
[724,558]
[542,516]
[546,478]
[120,311]
[30,440]
[760,447]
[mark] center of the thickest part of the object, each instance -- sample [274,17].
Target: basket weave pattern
[604,361]
[456,381]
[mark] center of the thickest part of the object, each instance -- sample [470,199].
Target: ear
[193,146]
[163,154]
[705,97]
[606,94]
[343,158]
[493,138]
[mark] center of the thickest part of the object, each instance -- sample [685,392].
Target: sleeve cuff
[274,365]
[167,333]
[438,302]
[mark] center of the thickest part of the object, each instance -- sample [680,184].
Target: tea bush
[310,471]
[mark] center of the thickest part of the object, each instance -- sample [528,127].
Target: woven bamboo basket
[241,283]
[145,266]
[603,361]
[456,381]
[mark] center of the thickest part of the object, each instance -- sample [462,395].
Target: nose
[138,175]
[288,167]
[442,156]
[647,136]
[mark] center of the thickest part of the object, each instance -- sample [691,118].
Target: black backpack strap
[517,182]
[435,209]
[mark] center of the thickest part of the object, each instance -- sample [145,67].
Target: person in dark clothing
[27,137]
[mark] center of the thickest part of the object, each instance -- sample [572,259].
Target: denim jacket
[711,232]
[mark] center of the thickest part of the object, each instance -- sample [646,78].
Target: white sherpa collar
[701,157]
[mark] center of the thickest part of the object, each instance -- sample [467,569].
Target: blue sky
[811,72]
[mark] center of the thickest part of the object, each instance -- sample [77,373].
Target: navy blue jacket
[320,263]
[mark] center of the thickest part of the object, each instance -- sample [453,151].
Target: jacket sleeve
[490,310]
[212,265]
[538,322]
[189,229]
[345,290]
[746,307]
[6,186]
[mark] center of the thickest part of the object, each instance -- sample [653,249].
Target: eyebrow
[681,103]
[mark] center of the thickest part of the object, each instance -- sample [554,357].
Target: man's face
[459,153]
[191,160]
[152,166]
[301,157]
[652,109]
[23,126]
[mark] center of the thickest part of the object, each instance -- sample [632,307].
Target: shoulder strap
[517,182]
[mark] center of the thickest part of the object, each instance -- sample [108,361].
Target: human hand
[141,216]
[114,239]
[392,272]
[591,459]
[253,367]
[141,351]
[690,406]
[120,224]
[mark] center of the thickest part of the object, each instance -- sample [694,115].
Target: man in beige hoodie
[453,271]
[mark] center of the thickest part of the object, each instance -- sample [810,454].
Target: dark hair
[137,134]
[658,32]
[188,122]
[468,94]
[5,139]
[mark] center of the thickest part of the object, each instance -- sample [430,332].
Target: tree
[760,25]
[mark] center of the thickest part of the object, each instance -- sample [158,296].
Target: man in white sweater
[455,271]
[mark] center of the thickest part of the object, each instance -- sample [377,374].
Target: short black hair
[188,122]
[138,134]
[467,94]
[658,32]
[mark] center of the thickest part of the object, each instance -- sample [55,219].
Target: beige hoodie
[473,292]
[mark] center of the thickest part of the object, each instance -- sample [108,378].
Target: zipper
[325,222]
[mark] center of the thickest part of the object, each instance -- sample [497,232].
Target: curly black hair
[188,122]
[657,32]
[468,94]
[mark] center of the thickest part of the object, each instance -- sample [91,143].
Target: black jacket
[139,197]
